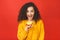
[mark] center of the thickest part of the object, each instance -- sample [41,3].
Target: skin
[30,14]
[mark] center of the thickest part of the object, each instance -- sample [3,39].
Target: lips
[29,15]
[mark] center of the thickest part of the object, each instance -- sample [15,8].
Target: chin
[29,19]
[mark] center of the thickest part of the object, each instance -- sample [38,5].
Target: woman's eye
[32,11]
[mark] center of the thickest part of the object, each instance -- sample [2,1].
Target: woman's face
[30,13]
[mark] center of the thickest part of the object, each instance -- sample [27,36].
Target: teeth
[30,16]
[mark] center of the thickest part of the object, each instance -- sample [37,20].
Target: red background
[50,12]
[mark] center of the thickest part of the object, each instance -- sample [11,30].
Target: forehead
[30,8]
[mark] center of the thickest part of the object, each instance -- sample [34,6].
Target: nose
[29,13]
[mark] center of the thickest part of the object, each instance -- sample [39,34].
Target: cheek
[32,13]
[28,14]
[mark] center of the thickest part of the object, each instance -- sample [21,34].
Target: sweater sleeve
[41,36]
[21,33]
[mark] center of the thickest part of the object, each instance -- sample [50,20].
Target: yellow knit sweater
[35,33]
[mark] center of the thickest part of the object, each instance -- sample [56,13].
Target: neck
[30,20]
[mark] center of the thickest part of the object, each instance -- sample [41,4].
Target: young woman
[30,26]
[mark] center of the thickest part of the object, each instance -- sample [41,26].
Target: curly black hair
[22,13]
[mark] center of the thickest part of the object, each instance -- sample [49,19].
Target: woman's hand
[28,26]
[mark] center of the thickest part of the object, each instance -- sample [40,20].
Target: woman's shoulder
[40,21]
[21,22]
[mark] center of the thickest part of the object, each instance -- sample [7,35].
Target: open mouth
[29,15]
